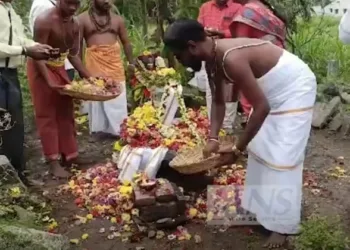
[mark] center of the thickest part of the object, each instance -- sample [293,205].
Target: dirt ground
[327,196]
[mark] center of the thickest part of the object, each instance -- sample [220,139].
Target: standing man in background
[102,31]
[14,45]
[39,7]
[344,28]
[216,17]
[258,19]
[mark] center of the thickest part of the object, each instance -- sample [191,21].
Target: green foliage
[317,42]
[320,233]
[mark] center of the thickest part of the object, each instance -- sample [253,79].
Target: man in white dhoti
[282,91]
[39,7]
[344,28]
[102,31]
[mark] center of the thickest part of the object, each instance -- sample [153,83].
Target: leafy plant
[321,233]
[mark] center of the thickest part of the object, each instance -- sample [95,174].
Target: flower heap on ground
[222,201]
[104,196]
[144,129]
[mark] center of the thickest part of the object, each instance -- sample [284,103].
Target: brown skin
[62,33]
[243,66]
[117,32]
[57,28]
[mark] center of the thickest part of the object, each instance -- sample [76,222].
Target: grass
[317,42]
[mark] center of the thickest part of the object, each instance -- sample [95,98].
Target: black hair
[275,12]
[180,32]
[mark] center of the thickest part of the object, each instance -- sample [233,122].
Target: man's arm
[217,111]
[75,54]
[41,35]
[81,22]
[243,77]
[124,38]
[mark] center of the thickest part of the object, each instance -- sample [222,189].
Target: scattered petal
[74,241]
[84,236]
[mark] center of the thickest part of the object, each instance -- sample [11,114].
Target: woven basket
[87,97]
[193,162]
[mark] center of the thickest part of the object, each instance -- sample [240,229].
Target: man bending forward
[101,30]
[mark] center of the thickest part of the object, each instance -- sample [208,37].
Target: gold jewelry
[236,151]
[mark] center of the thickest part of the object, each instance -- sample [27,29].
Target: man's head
[102,5]
[188,41]
[68,7]
[222,2]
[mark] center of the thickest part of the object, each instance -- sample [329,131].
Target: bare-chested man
[102,31]
[282,90]
[54,112]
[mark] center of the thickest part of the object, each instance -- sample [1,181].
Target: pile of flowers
[224,197]
[95,86]
[144,129]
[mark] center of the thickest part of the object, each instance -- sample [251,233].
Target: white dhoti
[107,116]
[273,187]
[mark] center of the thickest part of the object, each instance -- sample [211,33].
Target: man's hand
[214,32]
[131,70]
[38,51]
[211,148]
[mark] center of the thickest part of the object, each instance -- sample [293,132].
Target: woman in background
[258,19]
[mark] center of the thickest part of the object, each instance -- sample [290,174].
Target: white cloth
[281,191]
[107,116]
[230,111]
[201,81]
[133,160]
[38,8]
[344,28]
[277,152]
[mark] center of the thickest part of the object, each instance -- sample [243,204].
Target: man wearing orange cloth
[102,31]
[54,112]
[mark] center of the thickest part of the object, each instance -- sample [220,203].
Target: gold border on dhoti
[291,111]
[269,164]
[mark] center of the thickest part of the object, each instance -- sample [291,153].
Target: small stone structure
[164,205]
[335,114]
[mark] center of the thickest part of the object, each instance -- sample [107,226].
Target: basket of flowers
[192,161]
[93,89]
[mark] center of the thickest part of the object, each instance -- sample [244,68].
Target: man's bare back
[262,56]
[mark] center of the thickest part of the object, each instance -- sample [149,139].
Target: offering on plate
[95,86]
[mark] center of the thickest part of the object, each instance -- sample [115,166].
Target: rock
[323,111]
[25,217]
[345,129]
[345,97]
[151,234]
[18,238]
[8,174]
[158,211]
[197,239]
[336,122]
[165,192]
[143,198]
